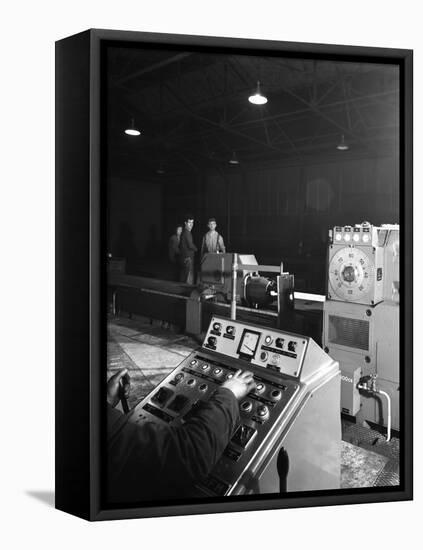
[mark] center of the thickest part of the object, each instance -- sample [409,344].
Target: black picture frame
[80,272]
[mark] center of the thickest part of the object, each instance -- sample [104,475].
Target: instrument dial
[350,274]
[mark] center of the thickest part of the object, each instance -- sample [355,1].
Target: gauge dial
[350,274]
[249,343]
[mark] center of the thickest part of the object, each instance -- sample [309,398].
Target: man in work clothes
[187,251]
[212,240]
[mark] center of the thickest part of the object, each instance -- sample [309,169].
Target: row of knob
[278,342]
[262,411]
[191,382]
[230,329]
[217,371]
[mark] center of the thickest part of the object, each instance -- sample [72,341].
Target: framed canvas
[233,220]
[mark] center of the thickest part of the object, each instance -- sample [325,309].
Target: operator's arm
[221,244]
[152,461]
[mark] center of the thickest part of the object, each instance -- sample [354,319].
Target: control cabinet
[288,370]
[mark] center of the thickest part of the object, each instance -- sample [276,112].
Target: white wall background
[28,32]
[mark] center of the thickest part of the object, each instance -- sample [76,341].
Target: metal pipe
[373,389]
[388,428]
[234,276]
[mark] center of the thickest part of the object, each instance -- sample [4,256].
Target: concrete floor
[150,350]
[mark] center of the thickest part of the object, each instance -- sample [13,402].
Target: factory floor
[150,350]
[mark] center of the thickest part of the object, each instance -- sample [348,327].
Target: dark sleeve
[173,248]
[190,241]
[150,459]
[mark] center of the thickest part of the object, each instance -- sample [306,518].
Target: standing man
[173,251]
[187,250]
[212,240]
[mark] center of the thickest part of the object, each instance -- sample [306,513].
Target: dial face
[249,343]
[350,274]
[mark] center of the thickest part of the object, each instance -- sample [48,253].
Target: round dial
[350,274]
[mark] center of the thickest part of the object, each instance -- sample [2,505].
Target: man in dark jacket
[153,461]
[187,251]
[173,252]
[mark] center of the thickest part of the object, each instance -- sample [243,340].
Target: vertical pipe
[388,428]
[234,276]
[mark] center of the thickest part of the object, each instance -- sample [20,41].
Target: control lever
[282,465]
[124,381]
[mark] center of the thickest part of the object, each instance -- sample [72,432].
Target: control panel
[276,359]
[268,348]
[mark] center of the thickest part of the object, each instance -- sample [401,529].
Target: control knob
[276,395]
[246,406]
[262,412]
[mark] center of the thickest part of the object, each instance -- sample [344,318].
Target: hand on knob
[240,384]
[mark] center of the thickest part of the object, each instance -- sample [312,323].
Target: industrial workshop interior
[253,230]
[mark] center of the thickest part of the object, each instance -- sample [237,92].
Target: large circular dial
[350,274]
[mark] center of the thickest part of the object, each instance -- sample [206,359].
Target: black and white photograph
[211,275]
[253,273]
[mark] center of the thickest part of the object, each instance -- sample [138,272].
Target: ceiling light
[342,145]
[233,160]
[132,131]
[258,98]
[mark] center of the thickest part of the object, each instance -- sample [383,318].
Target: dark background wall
[135,220]
[279,213]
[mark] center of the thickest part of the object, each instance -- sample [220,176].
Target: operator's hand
[240,384]
[118,386]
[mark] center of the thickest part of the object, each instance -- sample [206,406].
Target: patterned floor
[150,350]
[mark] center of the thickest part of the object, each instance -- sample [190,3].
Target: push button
[246,406]
[276,395]
[178,378]
[262,412]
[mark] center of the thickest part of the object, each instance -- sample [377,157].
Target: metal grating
[353,333]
